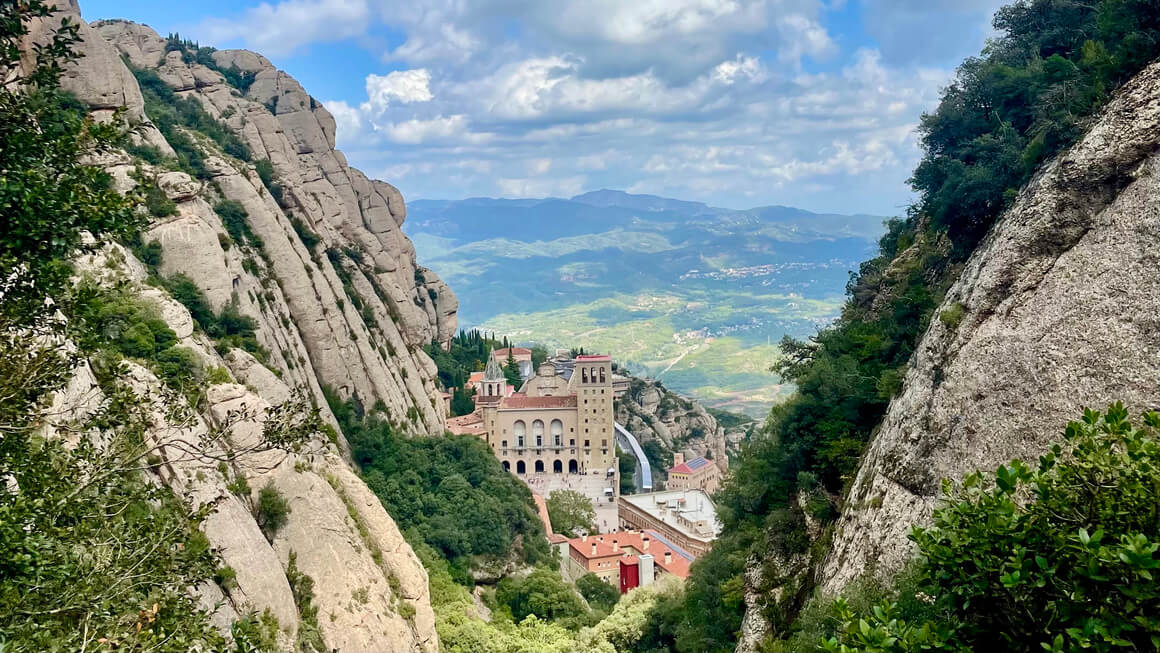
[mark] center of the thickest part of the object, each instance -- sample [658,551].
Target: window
[521,430]
[602,375]
[586,443]
[604,443]
[557,432]
[538,432]
[505,444]
[584,375]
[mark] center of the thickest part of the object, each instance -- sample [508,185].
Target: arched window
[557,432]
[539,467]
[557,466]
[521,468]
[573,467]
[538,432]
[507,467]
[584,375]
[521,430]
[602,375]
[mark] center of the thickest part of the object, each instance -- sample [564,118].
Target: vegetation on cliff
[93,553]
[1030,94]
[1060,556]
[449,493]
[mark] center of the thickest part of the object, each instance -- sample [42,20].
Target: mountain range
[694,295]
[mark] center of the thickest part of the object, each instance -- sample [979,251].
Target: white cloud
[565,187]
[727,101]
[283,27]
[405,86]
[439,128]
[728,72]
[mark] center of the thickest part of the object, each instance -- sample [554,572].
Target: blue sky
[739,103]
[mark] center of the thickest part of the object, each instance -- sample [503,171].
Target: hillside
[697,296]
[1014,295]
[176,418]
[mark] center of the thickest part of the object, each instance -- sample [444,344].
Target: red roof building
[697,474]
[607,554]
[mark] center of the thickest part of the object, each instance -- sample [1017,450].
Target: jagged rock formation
[654,414]
[352,310]
[338,299]
[1058,312]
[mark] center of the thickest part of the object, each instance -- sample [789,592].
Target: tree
[511,370]
[50,197]
[539,356]
[541,593]
[1061,556]
[627,465]
[599,594]
[571,513]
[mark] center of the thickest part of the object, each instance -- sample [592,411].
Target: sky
[737,103]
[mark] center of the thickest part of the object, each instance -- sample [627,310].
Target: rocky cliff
[676,424]
[323,270]
[333,281]
[1054,312]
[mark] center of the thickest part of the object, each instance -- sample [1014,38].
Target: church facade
[553,425]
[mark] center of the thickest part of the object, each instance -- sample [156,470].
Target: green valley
[696,296]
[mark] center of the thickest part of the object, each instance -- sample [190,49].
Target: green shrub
[273,511]
[157,201]
[543,594]
[177,366]
[256,633]
[599,594]
[233,216]
[217,375]
[302,587]
[953,316]
[1057,557]
[150,254]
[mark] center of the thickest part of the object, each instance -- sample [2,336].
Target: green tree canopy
[571,513]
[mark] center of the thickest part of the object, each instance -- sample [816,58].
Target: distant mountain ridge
[694,294]
[479,218]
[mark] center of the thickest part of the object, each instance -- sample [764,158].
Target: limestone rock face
[325,269]
[369,587]
[1060,313]
[315,256]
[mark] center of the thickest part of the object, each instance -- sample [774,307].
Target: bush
[571,513]
[1062,556]
[273,511]
[599,594]
[543,594]
[157,201]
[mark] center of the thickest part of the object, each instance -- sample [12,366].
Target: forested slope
[1036,89]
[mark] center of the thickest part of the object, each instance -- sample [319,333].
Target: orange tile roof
[475,377]
[594,357]
[470,424]
[517,352]
[518,401]
[678,564]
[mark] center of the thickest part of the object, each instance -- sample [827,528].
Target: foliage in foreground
[1062,556]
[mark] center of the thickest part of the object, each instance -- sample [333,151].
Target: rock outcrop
[1059,312]
[328,274]
[677,424]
